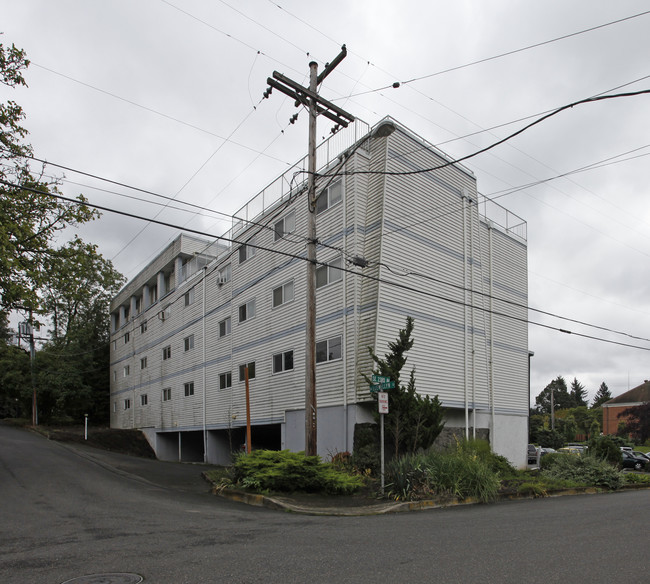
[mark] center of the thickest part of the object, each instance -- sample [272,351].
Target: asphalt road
[68,511]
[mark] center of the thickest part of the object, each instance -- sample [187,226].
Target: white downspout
[465,360]
[491,292]
[471,283]
[345,322]
[205,389]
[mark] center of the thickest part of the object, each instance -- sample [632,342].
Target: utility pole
[317,105]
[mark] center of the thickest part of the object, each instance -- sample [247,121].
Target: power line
[398,84]
[375,278]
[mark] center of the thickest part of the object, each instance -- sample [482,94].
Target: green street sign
[380,379]
[381,386]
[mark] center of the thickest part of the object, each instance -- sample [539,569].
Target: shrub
[582,470]
[272,470]
[605,448]
[459,474]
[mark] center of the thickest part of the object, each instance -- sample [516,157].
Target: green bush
[273,470]
[581,470]
[605,448]
[459,474]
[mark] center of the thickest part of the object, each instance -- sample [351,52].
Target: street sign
[381,386]
[383,402]
[380,379]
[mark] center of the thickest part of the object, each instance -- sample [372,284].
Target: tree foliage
[637,422]
[561,397]
[578,393]
[602,395]
[414,421]
[30,217]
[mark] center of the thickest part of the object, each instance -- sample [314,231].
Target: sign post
[382,398]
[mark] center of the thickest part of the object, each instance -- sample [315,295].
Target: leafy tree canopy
[30,216]
[637,422]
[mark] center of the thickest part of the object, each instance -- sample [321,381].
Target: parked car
[547,451]
[575,450]
[640,454]
[635,462]
[626,448]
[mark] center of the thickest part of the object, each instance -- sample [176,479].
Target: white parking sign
[382,397]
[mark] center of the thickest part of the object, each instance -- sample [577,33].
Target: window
[127,404]
[329,197]
[246,252]
[247,311]
[144,400]
[127,370]
[225,380]
[153,294]
[189,342]
[114,375]
[189,388]
[167,394]
[189,297]
[127,337]
[143,363]
[114,345]
[224,327]
[224,275]
[251,371]
[329,350]
[285,226]
[283,294]
[114,407]
[143,327]
[328,274]
[138,305]
[165,312]
[167,353]
[283,362]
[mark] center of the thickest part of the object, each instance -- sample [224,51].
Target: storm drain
[115,578]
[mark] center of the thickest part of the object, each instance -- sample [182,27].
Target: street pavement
[68,511]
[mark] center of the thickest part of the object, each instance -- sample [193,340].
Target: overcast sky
[165,96]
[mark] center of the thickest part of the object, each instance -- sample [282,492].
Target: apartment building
[401,232]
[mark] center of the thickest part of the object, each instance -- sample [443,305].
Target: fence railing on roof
[292,180]
[512,224]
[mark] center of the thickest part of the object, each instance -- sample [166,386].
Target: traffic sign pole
[382,400]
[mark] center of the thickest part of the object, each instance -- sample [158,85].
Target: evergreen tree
[413,421]
[602,395]
[578,393]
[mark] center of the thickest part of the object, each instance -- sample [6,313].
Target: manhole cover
[106,579]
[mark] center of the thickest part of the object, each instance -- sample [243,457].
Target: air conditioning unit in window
[221,280]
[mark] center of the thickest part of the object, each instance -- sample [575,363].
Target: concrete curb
[383,508]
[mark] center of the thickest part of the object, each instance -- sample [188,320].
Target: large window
[283,294]
[285,226]
[332,195]
[225,380]
[224,327]
[283,362]
[329,350]
[246,252]
[189,342]
[251,371]
[247,311]
[329,273]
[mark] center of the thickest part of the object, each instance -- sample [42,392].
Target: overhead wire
[304,258]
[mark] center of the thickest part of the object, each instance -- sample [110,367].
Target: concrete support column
[161,285]
[134,309]
[146,297]
[122,318]
[178,270]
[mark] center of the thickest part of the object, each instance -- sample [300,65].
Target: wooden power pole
[317,105]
